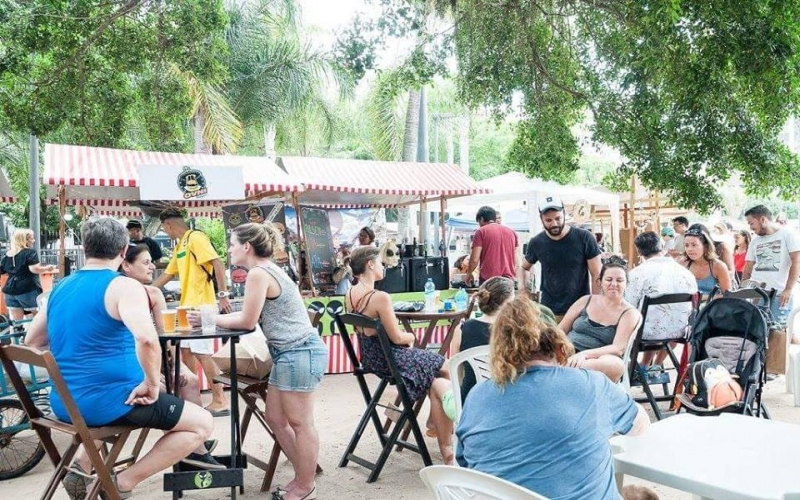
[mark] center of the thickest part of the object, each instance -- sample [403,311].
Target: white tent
[514,190]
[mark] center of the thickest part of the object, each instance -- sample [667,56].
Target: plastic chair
[407,416]
[793,358]
[455,483]
[478,359]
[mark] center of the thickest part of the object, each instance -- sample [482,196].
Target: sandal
[225,412]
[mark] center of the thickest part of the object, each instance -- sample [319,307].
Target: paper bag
[252,356]
[776,352]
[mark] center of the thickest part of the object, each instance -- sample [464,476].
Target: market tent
[514,190]
[107,179]
[336,182]
[515,219]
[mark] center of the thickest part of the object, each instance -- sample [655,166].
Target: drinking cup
[169,316]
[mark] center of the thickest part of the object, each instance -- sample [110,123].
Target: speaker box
[421,268]
[395,279]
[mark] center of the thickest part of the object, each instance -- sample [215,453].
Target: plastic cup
[169,316]
[208,318]
[183,318]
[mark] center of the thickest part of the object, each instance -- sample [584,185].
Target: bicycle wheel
[20,447]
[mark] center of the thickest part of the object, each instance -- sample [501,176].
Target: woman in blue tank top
[299,356]
[702,261]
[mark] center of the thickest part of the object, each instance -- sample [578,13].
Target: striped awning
[104,175]
[340,183]
[7,195]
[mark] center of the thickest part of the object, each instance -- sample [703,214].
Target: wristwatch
[223,294]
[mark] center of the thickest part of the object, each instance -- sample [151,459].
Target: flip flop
[225,412]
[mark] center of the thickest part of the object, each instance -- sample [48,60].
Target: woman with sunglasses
[701,259]
[599,326]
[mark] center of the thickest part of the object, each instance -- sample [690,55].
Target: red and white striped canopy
[359,183]
[98,175]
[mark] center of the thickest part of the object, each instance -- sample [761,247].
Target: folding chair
[455,483]
[80,432]
[253,390]
[643,345]
[407,416]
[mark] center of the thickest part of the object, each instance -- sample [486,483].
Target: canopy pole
[423,221]
[34,212]
[301,244]
[444,242]
[62,229]
[632,227]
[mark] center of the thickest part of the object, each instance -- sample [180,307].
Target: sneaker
[76,485]
[657,376]
[203,461]
[211,445]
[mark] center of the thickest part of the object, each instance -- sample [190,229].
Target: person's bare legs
[189,390]
[16,314]
[290,415]
[193,428]
[442,423]
[210,369]
[611,366]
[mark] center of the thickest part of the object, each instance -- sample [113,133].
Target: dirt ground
[339,405]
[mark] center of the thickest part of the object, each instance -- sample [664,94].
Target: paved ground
[339,406]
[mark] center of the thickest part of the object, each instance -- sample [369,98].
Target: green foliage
[82,67]
[690,93]
[215,229]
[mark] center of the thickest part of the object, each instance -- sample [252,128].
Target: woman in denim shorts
[273,300]
[21,263]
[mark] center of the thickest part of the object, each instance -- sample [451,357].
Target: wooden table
[233,476]
[729,457]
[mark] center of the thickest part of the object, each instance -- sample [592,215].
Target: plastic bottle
[461,300]
[430,296]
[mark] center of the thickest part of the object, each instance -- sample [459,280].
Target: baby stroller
[734,331]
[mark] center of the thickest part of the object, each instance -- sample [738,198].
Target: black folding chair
[644,345]
[391,437]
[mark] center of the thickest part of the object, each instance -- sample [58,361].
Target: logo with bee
[192,183]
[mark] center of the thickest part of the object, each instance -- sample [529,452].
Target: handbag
[252,356]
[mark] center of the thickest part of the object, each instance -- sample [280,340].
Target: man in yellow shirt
[194,261]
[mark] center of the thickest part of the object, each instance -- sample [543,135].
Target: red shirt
[739,261]
[499,247]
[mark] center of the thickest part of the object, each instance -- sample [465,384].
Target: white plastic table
[727,457]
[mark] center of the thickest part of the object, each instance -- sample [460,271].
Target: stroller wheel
[764,413]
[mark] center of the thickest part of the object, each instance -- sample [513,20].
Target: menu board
[319,244]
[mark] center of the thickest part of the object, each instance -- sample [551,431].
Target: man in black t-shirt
[138,238]
[568,256]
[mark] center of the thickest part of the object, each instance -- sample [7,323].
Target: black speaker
[421,268]
[395,280]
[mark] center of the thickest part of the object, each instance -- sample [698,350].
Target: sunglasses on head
[615,260]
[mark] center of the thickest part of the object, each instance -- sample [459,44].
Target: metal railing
[73,256]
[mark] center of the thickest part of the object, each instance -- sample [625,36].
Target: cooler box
[395,280]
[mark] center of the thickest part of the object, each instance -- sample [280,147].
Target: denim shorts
[26,301]
[300,368]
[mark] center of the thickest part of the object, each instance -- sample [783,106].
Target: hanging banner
[190,183]
[236,215]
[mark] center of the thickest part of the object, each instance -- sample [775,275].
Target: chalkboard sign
[319,244]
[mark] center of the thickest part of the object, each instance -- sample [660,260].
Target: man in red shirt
[494,248]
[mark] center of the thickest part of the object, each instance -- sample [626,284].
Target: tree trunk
[410,140]
[200,146]
[269,141]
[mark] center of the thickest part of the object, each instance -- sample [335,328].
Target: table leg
[165,364]
[236,445]
[176,382]
[451,330]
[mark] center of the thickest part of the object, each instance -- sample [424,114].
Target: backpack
[210,276]
[710,384]
[696,384]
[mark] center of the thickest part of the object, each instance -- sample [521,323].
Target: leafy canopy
[690,92]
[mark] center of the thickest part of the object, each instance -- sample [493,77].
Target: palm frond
[386,123]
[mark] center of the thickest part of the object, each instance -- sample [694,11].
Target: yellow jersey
[193,253]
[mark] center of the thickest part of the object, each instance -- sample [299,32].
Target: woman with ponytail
[272,300]
[538,423]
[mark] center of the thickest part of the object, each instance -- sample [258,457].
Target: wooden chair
[391,437]
[252,391]
[455,483]
[640,345]
[81,434]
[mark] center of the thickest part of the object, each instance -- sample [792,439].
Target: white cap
[550,203]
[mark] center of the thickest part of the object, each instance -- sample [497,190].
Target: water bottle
[430,296]
[461,300]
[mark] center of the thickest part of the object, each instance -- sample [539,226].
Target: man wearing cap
[138,238]
[494,248]
[568,255]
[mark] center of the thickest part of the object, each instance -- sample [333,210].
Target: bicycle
[20,447]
